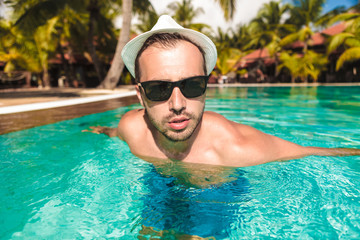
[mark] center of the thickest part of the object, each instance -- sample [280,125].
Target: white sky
[246,10]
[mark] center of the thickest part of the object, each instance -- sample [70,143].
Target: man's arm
[265,148]
[129,122]
[286,150]
[111,132]
[319,151]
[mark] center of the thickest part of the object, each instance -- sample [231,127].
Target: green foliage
[227,60]
[228,7]
[16,50]
[238,38]
[42,28]
[46,41]
[140,7]
[302,35]
[184,14]
[302,66]
[305,12]
[337,41]
[325,19]
[348,40]
[37,13]
[349,55]
[147,21]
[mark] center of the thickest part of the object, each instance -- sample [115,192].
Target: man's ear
[138,94]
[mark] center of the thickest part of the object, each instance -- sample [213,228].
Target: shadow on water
[210,198]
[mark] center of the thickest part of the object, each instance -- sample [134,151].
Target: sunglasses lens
[194,87]
[157,90]
[162,90]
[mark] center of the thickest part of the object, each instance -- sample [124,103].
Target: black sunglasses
[161,90]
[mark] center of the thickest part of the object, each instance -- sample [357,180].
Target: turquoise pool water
[57,182]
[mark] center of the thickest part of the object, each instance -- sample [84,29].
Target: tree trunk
[64,63]
[73,79]
[46,78]
[113,76]
[277,72]
[93,8]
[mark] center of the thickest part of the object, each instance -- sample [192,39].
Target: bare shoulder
[132,115]
[217,122]
[242,145]
[213,117]
[130,122]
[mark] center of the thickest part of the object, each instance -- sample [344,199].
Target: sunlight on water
[60,183]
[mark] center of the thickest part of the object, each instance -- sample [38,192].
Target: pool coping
[13,122]
[61,103]
[349,84]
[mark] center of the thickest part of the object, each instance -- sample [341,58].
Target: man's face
[178,117]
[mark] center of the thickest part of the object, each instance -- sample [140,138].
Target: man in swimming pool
[171,66]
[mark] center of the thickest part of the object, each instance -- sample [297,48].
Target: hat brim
[132,48]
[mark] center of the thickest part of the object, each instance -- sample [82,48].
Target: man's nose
[177,101]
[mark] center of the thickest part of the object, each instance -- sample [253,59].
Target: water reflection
[196,200]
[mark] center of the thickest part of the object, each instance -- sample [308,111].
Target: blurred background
[77,43]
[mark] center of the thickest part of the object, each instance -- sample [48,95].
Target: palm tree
[303,15]
[36,17]
[268,28]
[269,25]
[113,76]
[223,40]
[227,60]
[349,39]
[94,9]
[228,7]
[24,53]
[46,43]
[184,13]
[71,33]
[17,50]
[303,66]
[33,15]
[146,21]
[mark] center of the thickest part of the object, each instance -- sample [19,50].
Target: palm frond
[352,42]
[349,55]
[344,17]
[327,17]
[293,37]
[228,7]
[338,40]
[39,14]
[227,60]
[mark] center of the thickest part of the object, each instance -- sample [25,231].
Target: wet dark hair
[165,40]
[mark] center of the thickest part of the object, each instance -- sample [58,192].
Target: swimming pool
[57,182]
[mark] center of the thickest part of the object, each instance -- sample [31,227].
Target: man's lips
[179,123]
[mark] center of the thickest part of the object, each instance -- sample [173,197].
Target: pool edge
[17,121]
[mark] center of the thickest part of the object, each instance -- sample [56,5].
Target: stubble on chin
[176,135]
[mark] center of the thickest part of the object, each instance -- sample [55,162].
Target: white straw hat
[166,24]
